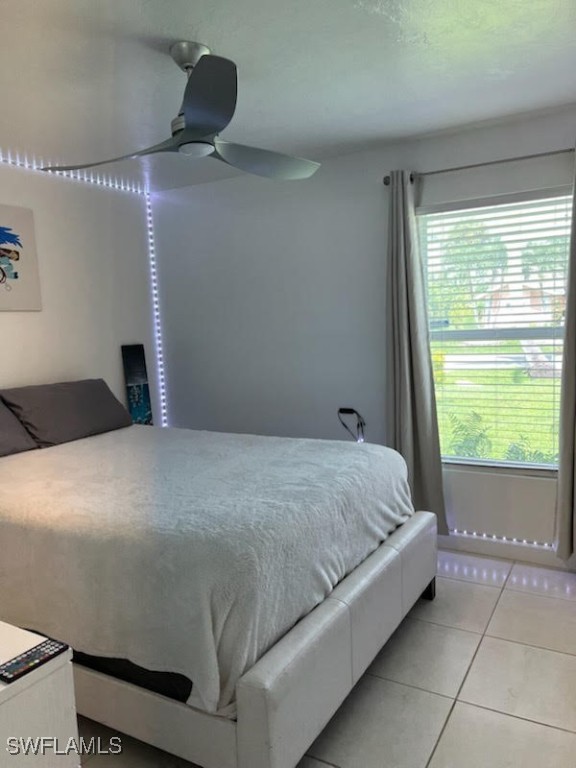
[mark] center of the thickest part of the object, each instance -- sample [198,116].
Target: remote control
[29,660]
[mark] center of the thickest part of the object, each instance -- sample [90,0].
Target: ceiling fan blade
[210,96]
[262,162]
[170,145]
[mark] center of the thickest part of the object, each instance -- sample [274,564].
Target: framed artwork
[136,378]
[19,279]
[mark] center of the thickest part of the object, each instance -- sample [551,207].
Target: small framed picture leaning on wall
[137,388]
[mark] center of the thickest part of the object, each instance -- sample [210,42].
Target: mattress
[167,684]
[188,552]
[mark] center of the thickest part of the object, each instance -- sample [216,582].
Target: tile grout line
[539,594]
[517,642]
[468,670]
[468,581]
[529,645]
[517,717]
[318,760]
[449,626]
[437,624]
[545,568]
[485,630]
[408,685]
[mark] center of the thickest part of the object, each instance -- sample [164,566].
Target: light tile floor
[483,677]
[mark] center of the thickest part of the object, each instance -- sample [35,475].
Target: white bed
[198,553]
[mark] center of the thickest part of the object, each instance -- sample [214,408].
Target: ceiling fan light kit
[207,108]
[196,149]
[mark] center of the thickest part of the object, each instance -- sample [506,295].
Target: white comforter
[184,551]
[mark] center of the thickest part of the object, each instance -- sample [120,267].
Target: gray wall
[272,293]
[94,279]
[272,299]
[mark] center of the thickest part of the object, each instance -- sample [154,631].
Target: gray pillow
[59,413]
[13,436]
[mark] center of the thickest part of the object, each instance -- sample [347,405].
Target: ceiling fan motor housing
[187,54]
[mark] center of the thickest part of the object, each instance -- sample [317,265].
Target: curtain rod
[490,162]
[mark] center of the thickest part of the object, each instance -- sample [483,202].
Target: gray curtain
[412,424]
[566,496]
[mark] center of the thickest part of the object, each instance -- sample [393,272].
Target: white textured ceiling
[82,80]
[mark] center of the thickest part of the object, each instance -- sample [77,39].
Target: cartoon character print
[8,256]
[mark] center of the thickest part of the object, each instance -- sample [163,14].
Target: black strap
[360,423]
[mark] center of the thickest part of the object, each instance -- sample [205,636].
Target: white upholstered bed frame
[291,693]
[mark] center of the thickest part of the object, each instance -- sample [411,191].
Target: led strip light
[156,312]
[503,539]
[16,160]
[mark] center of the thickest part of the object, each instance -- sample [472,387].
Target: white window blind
[496,280]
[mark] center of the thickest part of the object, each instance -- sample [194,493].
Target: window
[496,280]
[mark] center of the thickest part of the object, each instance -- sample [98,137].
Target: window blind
[496,283]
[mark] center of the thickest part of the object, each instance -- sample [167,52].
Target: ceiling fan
[207,108]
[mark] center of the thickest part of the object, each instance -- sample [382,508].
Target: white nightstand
[39,704]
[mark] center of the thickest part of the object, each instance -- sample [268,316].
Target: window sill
[501,467]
